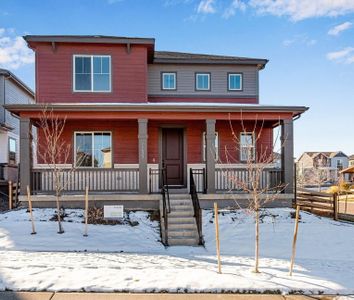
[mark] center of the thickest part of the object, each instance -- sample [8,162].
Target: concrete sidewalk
[121,296]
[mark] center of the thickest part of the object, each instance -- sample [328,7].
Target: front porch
[138,142]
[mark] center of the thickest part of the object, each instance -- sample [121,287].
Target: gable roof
[195,58]
[351,157]
[17,81]
[328,154]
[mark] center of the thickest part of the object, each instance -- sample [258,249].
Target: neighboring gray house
[329,162]
[351,160]
[12,91]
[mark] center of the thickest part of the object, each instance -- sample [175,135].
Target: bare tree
[316,176]
[54,151]
[259,183]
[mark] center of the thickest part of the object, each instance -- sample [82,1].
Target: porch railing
[154,181]
[196,205]
[228,179]
[199,178]
[98,180]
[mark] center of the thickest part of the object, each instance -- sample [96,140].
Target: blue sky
[310,45]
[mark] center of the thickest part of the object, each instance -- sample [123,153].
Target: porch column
[143,136]
[210,155]
[25,154]
[287,154]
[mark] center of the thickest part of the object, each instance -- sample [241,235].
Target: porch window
[235,82]
[93,149]
[202,81]
[247,146]
[92,73]
[216,145]
[168,81]
[12,150]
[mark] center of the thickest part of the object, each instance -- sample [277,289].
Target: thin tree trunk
[61,230]
[257,243]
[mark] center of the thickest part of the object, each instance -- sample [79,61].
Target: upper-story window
[202,81]
[92,73]
[234,82]
[169,81]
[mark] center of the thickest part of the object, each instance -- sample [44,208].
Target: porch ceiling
[160,111]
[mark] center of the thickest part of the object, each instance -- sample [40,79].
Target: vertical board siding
[218,80]
[54,78]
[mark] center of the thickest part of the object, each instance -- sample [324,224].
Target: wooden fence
[324,204]
[14,191]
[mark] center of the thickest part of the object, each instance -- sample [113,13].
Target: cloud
[14,52]
[302,39]
[233,7]
[345,55]
[339,28]
[303,9]
[206,7]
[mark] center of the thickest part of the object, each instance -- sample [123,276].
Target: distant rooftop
[17,80]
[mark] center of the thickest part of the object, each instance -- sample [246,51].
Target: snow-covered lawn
[126,258]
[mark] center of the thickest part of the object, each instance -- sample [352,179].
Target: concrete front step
[181,220]
[183,241]
[181,207]
[180,197]
[181,214]
[182,234]
[181,226]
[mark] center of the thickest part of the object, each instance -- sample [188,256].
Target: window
[92,73]
[247,146]
[216,145]
[93,149]
[202,81]
[12,150]
[168,81]
[235,82]
[339,164]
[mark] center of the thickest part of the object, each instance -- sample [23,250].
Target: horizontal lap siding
[219,81]
[229,148]
[124,138]
[54,73]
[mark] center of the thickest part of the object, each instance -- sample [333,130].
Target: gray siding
[186,80]
[14,95]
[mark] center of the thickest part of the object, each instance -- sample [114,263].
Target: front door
[172,155]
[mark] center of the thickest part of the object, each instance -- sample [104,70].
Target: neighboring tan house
[351,160]
[328,162]
[12,91]
[132,112]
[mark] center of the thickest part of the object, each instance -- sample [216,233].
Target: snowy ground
[325,260]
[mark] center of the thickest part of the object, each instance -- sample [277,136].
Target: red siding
[54,74]
[125,139]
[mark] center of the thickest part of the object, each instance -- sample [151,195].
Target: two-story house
[12,91]
[331,163]
[132,111]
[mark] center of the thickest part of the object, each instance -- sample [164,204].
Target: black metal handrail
[166,205]
[199,177]
[196,206]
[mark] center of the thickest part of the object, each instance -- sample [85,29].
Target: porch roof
[175,107]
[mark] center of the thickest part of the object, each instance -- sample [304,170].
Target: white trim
[196,81]
[92,137]
[241,81]
[163,81]
[51,166]
[92,90]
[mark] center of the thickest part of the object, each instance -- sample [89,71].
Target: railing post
[335,206]
[143,137]
[10,195]
[25,154]
[210,155]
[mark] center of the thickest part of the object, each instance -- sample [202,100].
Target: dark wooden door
[172,155]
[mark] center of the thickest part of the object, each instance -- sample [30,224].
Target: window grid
[231,79]
[92,73]
[205,81]
[169,81]
[247,147]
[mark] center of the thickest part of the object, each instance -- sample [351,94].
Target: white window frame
[196,82]
[163,81]
[242,159]
[229,81]
[16,149]
[92,141]
[204,146]
[92,90]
